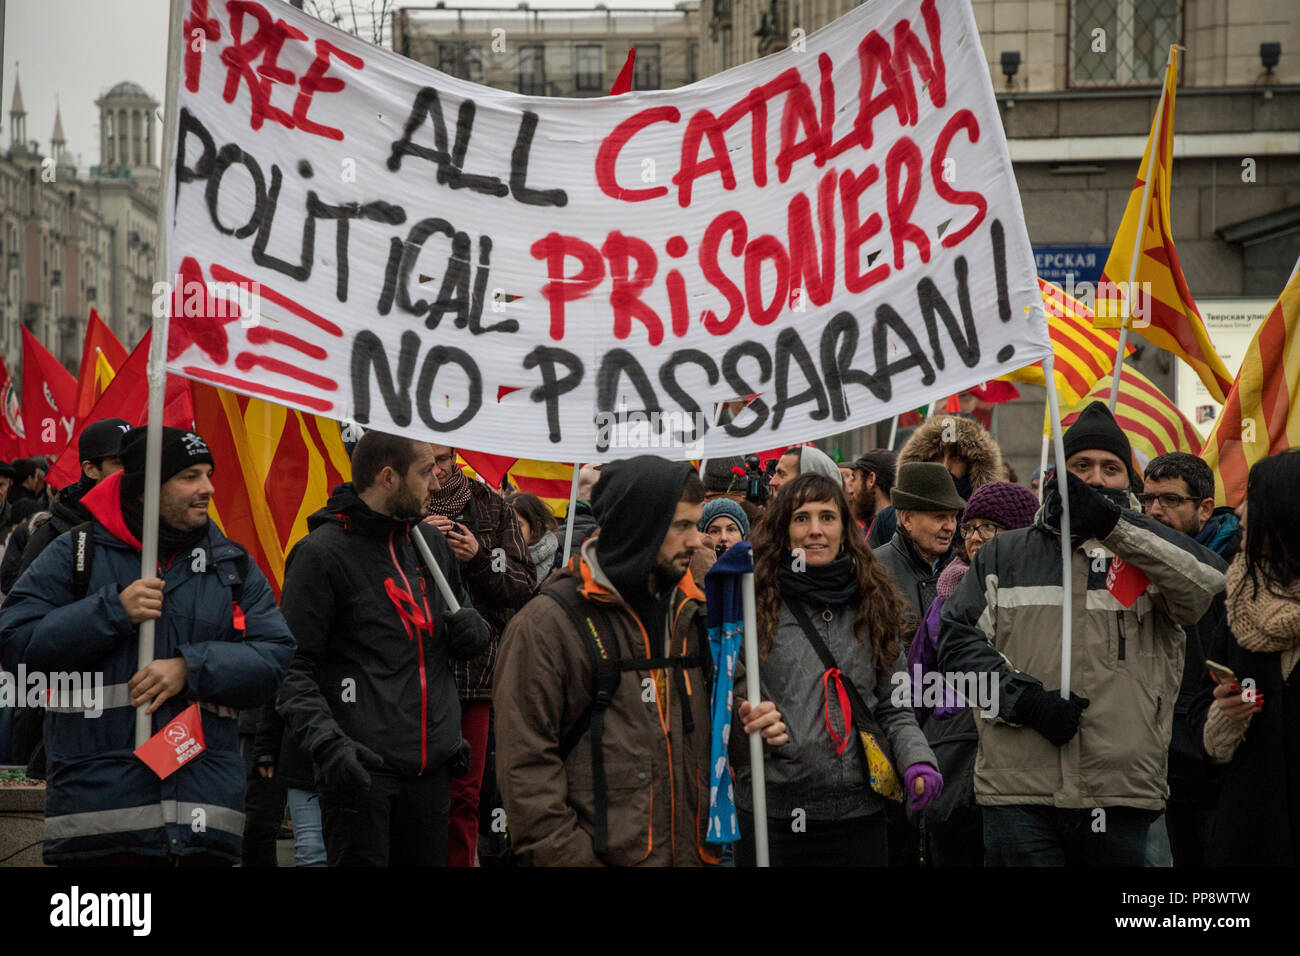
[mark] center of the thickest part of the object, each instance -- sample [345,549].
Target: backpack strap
[607,673]
[83,557]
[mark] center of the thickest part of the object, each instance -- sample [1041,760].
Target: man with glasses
[1178,491]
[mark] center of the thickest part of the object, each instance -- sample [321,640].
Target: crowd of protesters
[909,629]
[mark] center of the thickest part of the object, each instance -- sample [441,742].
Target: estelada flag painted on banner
[275,466]
[1152,422]
[1261,416]
[127,396]
[12,444]
[101,356]
[1082,354]
[49,399]
[1175,322]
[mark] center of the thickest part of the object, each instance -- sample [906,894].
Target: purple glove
[933,785]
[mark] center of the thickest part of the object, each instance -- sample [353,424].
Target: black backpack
[608,672]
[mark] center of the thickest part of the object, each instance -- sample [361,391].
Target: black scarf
[825,585]
[171,541]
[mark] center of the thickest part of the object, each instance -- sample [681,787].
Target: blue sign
[1060,264]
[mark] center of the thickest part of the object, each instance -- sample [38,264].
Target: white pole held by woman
[1067,546]
[754,694]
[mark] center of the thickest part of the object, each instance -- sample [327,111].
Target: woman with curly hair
[817,582]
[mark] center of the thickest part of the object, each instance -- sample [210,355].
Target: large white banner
[834,228]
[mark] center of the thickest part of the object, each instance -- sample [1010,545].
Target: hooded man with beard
[601,694]
[370,694]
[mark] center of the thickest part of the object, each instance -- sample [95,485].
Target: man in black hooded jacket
[370,694]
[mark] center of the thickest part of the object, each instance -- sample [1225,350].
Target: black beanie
[102,439]
[180,450]
[1096,428]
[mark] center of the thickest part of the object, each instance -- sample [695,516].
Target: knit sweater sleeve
[1223,735]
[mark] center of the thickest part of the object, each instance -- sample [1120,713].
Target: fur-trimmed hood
[974,444]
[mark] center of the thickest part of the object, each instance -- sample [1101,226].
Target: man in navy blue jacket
[219,640]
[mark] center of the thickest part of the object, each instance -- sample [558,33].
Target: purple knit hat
[1009,504]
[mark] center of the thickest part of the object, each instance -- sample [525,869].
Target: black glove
[1046,712]
[467,632]
[342,765]
[1092,513]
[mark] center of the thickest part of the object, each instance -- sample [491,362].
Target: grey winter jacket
[1005,618]
[805,772]
[915,578]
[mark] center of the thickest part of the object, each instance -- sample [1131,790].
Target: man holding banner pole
[1076,776]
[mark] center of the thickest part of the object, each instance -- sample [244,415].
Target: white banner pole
[157,373]
[568,521]
[438,578]
[1137,239]
[1067,546]
[754,694]
[893,432]
[717,417]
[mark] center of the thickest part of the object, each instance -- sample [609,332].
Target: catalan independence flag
[1175,322]
[1152,422]
[548,480]
[278,466]
[1082,355]
[1262,414]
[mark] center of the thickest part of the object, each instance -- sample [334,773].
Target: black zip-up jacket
[360,672]
[65,514]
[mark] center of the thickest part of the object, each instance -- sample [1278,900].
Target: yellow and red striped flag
[1175,322]
[1081,354]
[548,480]
[1259,418]
[1149,418]
[275,466]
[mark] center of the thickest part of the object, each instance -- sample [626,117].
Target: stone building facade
[1078,82]
[73,240]
[553,52]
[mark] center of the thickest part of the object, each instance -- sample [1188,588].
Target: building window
[645,75]
[474,64]
[447,59]
[589,68]
[1122,42]
[532,70]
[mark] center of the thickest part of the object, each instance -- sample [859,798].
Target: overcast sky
[76,49]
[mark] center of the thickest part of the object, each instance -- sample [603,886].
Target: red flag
[491,468]
[623,82]
[49,399]
[127,397]
[12,443]
[99,339]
